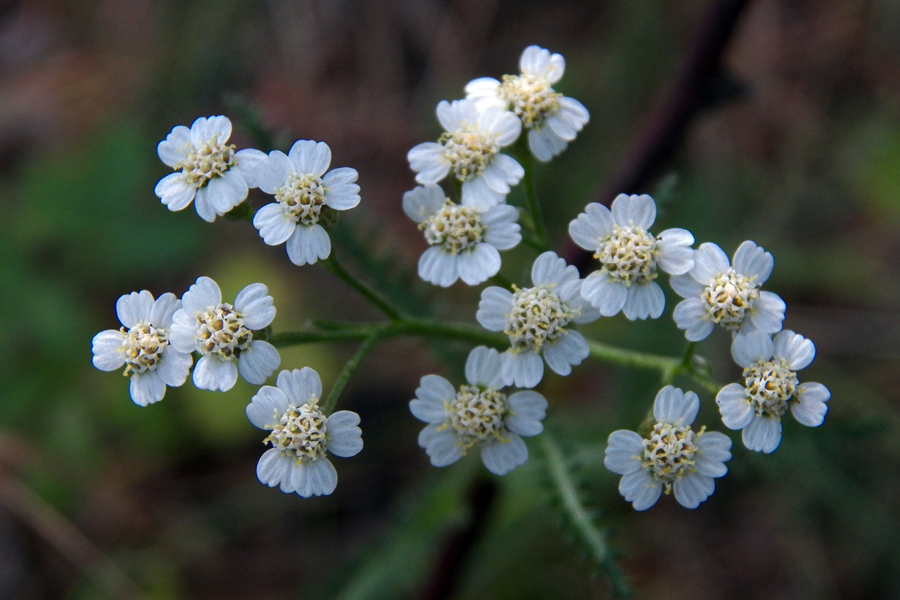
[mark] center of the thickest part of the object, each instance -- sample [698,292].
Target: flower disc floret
[532,99]
[538,315]
[300,432]
[629,255]
[143,346]
[719,293]
[221,331]
[454,227]
[210,159]
[771,387]
[669,452]
[672,458]
[469,150]
[477,415]
[302,197]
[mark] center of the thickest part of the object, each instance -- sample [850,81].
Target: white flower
[629,256]
[718,293]
[536,320]
[552,119]
[465,239]
[143,346]
[301,434]
[209,170]
[302,187]
[470,148]
[221,332]
[479,414]
[673,457]
[770,388]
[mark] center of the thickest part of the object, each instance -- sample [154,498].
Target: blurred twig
[18,500]
[665,128]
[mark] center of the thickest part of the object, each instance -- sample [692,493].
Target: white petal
[422,202]
[767,312]
[495,305]
[226,191]
[181,335]
[258,361]
[310,158]
[752,261]
[213,374]
[427,160]
[267,407]
[274,225]
[255,305]
[309,244]
[737,412]
[483,367]
[636,210]
[501,229]
[545,144]
[174,366]
[147,388]
[676,256]
[503,122]
[574,112]
[477,193]
[134,307]
[245,165]
[175,192]
[644,300]
[749,348]
[439,267]
[809,406]
[271,174]
[526,411]
[508,169]
[483,87]
[710,261]
[204,206]
[675,407]
[623,452]
[591,226]
[549,269]
[502,457]
[431,394]
[714,449]
[692,489]
[478,264]
[523,369]
[176,146]
[763,434]
[344,435]
[692,316]
[106,346]
[794,348]
[686,286]
[205,293]
[561,126]
[640,489]
[604,293]
[314,478]
[441,445]
[163,309]
[300,386]
[273,467]
[566,351]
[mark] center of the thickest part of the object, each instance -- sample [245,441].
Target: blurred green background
[100,498]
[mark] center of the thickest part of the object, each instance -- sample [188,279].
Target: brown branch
[664,130]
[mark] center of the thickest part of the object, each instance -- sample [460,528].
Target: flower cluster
[467,223]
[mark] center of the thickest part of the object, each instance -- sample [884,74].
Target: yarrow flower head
[629,256]
[478,414]
[303,189]
[537,320]
[464,239]
[301,434]
[771,387]
[673,457]
[469,150]
[142,346]
[721,294]
[552,120]
[209,171]
[223,333]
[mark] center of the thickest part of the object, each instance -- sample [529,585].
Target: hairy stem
[331,263]
[349,369]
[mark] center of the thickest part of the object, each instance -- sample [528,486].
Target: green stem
[534,207]
[631,358]
[581,520]
[331,263]
[349,369]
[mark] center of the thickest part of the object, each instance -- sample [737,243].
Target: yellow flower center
[300,431]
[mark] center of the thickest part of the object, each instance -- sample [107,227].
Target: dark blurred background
[797,147]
